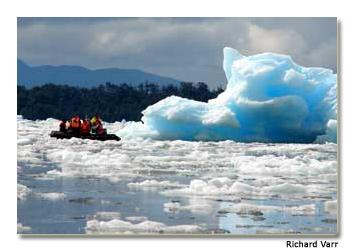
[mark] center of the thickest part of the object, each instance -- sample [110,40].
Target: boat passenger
[85,127]
[75,125]
[96,125]
[62,126]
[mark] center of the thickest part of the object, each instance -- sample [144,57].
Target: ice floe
[224,168]
[331,206]
[153,184]
[136,218]
[215,188]
[189,178]
[22,191]
[106,216]
[196,207]
[23,229]
[254,209]
[144,226]
[51,196]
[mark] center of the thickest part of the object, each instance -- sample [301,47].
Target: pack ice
[268,98]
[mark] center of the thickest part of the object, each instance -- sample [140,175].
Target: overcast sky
[188,49]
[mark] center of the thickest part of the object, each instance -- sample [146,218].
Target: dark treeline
[112,102]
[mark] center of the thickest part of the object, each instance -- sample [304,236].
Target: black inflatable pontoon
[68,135]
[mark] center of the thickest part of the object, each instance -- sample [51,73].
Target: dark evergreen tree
[112,102]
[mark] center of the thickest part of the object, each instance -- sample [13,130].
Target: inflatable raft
[68,135]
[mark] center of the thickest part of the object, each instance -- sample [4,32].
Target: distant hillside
[80,76]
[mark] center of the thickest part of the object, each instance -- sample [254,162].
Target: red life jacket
[75,122]
[85,127]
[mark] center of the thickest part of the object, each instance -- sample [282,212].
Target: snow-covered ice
[268,98]
[139,185]
[146,227]
[22,191]
[134,225]
[153,184]
[106,216]
[196,206]
[51,196]
[281,169]
[136,218]
[22,229]
[246,208]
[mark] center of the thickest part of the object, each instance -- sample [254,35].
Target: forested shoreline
[114,102]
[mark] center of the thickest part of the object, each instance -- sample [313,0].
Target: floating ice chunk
[254,209]
[197,208]
[277,231]
[213,188]
[182,229]
[117,226]
[22,191]
[242,188]
[22,229]
[268,98]
[308,209]
[110,223]
[286,188]
[153,184]
[331,206]
[230,188]
[172,206]
[245,208]
[136,218]
[113,226]
[199,187]
[291,171]
[24,141]
[106,216]
[99,161]
[221,182]
[51,196]
[53,173]
[330,177]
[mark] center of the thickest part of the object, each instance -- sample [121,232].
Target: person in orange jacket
[75,124]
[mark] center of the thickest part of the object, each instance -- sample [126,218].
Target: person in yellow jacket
[96,125]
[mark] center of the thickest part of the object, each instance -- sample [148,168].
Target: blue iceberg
[268,98]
